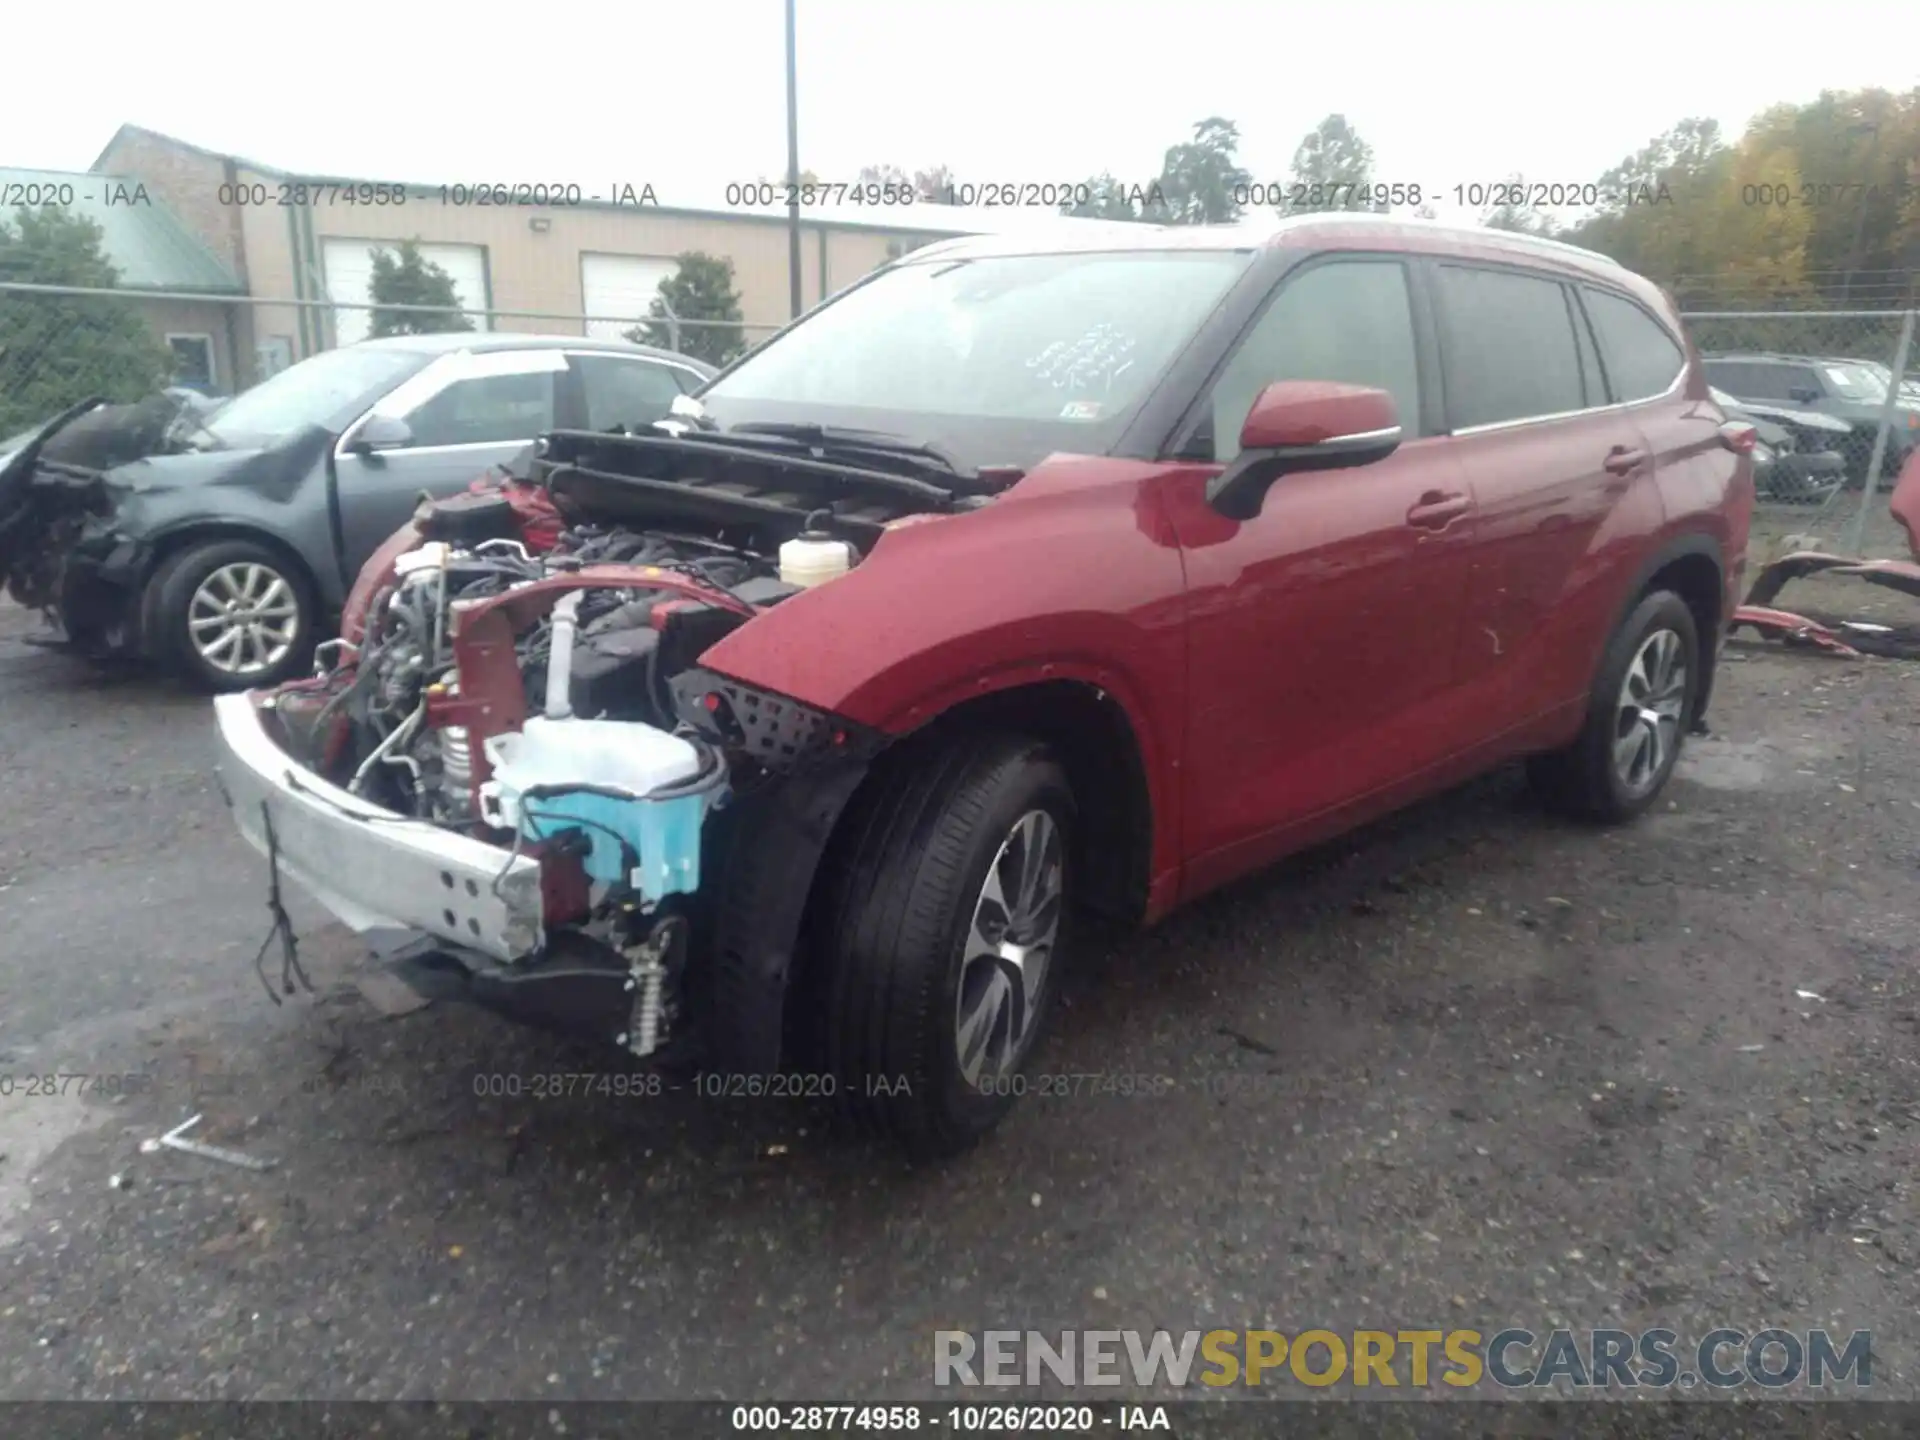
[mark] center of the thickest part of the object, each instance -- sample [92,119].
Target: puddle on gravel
[1722,764]
[32,1128]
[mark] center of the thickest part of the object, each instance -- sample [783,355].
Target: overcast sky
[691,96]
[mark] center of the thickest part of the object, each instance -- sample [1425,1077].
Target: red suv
[785,739]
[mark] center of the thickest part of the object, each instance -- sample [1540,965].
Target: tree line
[1810,206]
[1814,204]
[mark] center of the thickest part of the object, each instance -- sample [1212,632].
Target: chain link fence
[59,344]
[1835,395]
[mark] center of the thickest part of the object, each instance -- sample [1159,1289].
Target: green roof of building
[143,238]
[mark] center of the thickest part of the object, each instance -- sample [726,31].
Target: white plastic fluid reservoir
[813,557]
[610,754]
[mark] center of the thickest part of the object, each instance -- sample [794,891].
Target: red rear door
[1555,468]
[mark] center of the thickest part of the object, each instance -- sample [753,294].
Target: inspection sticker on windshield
[1081,410]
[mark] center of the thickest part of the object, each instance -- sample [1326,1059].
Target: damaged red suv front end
[513,776]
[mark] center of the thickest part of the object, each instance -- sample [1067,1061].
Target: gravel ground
[1475,1067]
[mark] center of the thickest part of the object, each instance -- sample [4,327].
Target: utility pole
[793,168]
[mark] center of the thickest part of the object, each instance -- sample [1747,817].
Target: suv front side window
[1749,379]
[1801,383]
[1349,321]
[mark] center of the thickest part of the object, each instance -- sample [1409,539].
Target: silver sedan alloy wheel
[1650,712]
[1009,950]
[244,618]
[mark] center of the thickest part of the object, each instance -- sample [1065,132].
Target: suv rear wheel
[946,912]
[1643,703]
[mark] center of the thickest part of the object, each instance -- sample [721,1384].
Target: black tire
[908,868]
[171,593]
[1584,779]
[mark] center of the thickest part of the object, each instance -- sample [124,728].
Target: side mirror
[1298,425]
[379,432]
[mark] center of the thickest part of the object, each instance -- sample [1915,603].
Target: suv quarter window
[1507,346]
[1643,360]
[1342,319]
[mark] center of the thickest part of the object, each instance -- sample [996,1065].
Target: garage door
[348,266]
[622,287]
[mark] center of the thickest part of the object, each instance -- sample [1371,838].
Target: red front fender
[1066,577]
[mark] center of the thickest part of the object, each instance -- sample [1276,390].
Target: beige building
[585,263]
[178,284]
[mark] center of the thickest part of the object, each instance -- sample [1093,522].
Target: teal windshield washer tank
[631,790]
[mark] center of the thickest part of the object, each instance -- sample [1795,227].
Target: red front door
[1321,633]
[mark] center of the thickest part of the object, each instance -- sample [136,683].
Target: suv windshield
[328,390]
[1856,382]
[1000,359]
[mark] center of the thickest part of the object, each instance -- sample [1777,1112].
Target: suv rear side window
[1349,321]
[1509,347]
[488,410]
[1642,359]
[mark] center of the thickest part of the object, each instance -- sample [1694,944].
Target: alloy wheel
[1009,950]
[244,618]
[1650,712]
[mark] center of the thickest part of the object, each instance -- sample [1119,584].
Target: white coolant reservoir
[813,557]
[429,556]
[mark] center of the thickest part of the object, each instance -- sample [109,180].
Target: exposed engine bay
[667,562]
[524,671]
[369,723]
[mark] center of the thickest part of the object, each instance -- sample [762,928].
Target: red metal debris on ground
[1794,629]
[1901,575]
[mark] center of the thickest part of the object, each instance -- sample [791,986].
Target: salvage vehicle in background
[219,539]
[1024,578]
[1797,459]
[1847,390]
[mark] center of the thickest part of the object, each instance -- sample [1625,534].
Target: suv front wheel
[1642,705]
[946,915]
[232,615]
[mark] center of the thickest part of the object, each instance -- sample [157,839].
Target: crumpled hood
[274,471]
[158,474]
[16,465]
